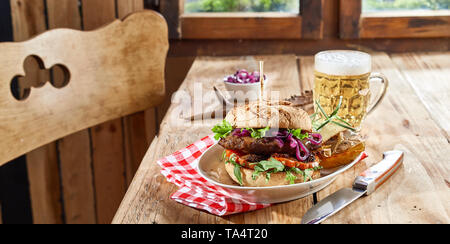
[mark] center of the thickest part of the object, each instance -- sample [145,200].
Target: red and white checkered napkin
[194,190]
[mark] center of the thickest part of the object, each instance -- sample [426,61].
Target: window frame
[354,24]
[306,25]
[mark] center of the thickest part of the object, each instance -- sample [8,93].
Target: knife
[365,184]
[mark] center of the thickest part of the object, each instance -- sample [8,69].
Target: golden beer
[354,91]
[345,74]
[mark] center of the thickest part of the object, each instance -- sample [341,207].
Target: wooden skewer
[261,79]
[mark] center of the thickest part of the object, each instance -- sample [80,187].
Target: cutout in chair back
[37,76]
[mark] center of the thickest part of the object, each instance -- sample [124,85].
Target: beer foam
[343,62]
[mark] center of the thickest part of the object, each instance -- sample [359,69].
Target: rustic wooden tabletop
[414,118]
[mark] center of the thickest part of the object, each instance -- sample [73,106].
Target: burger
[269,144]
[274,143]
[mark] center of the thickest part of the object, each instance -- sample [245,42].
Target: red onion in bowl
[244,77]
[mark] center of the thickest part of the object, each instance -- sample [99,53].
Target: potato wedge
[343,158]
[331,130]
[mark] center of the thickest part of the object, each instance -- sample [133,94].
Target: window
[394,18]
[404,5]
[285,6]
[244,19]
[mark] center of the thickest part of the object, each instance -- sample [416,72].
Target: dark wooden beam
[187,48]
[312,19]
[350,15]
[398,26]
[172,10]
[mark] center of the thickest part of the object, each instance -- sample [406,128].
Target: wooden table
[414,118]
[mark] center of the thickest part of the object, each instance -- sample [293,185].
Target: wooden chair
[111,72]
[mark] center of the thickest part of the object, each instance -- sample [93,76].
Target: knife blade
[365,184]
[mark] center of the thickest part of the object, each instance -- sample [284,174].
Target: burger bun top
[273,114]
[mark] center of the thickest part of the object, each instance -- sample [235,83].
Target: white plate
[211,167]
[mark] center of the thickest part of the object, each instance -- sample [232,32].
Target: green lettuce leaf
[222,130]
[298,134]
[237,173]
[258,133]
[269,166]
[290,177]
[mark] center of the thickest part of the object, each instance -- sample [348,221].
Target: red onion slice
[241,133]
[304,150]
[280,142]
[315,139]
[292,142]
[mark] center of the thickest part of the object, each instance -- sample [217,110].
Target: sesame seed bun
[273,114]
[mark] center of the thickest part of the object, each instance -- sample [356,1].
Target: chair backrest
[114,71]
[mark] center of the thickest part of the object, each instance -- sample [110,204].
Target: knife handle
[375,176]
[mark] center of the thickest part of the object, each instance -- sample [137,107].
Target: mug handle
[385,82]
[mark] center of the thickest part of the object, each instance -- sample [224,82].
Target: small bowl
[244,91]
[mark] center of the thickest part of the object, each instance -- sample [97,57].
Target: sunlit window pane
[287,6]
[389,5]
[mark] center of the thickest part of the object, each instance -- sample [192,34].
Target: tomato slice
[288,162]
[228,153]
[297,164]
[239,160]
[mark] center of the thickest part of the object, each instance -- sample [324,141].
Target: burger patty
[249,160]
[260,146]
[249,145]
[253,158]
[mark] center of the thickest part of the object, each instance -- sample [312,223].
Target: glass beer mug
[347,74]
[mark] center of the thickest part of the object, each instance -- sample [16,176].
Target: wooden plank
[350,13]
[418,192]
[302,46]
[376,26]
[109,168]
[125,7]
[312,16]
[107,138]
[172,10]
[147,200]
[93,18]
[74,150]
[63,14]
[223,26]
[45,192]
[77,181]
[136,133]
[28,20]
[428,75]
[136,140]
